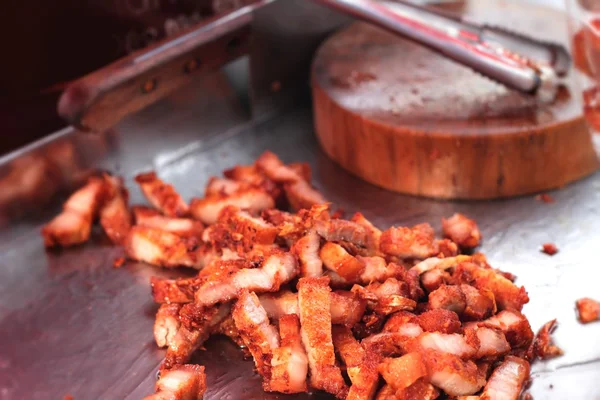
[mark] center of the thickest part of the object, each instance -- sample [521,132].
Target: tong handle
[445,36]
[99,100]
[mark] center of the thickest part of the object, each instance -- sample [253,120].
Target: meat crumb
[588,310]
[118,263]
[549,248]
[545,198]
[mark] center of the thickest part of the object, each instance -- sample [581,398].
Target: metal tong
[281,36]
[515,60]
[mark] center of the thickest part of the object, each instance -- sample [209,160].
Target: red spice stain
[118,263]
[545,198]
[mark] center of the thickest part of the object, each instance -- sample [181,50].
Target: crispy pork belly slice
[301,195]
[435,263]
[162,248]
[315,319]
[289,362]
[448,297]
[402,372]
[73,225]
[166,324]
[269,164]
[398,320]
[279,218]
[373,230]
[340,230]
[68,228]
[389,343]
[453,375]
[256,331]
[188,339]
[387,297]
[346,307]
[542,346]
[439,320]
[433,279]
[451,343]
[515,327]
[386,393]
[244,173]
[115,217]
[277,269]
[162,195]
[349,349]
[403,242]
[150,218]
[307,251]
[223,186]
[462,231]
[254,200]
[481,303]
[366,380]
[508,296]
[254,230]
[492,342]
[507,380]
[337,259]
[174,291]
[183,382]
[279,304]
[374,269]
[588,310]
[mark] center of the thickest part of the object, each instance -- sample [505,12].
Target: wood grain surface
[405,118]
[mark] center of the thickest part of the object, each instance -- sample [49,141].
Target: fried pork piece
[448,298]
[256,331]
[162,195]
[453,343]
[166,324]
[508,296]
[269,164]
[462,230]
[387,297]
[402,372]
[115,217]
[588,310]
[301,195]
[492,342]
[340,230]
[435,263]
[515,327]
[337,259]
[542,346]
[349,349]
[315,319]
[373,230]
[223,187]
[507,380]
[439,320]
[73,225]
[245,173]
[150,218]
[183,382]
[480,303]
[397,335]
[346,308]
[403,242]
[289,362]
[162,248]
[189,338]
[307,251]
[433,279]
[453,375]
[253,200]
[227,328]
[254,230]
[277,269]
[366,380]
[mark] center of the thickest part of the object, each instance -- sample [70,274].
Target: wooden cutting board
[407,119]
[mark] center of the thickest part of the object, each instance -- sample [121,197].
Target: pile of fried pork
[318,301]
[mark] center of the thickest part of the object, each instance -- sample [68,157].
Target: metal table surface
[70,323]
